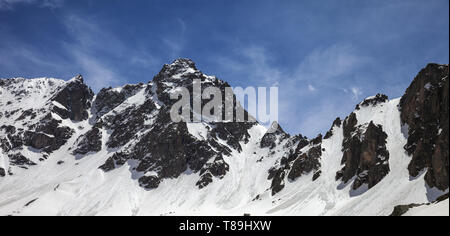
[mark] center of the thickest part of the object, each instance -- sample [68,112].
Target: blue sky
[325,55]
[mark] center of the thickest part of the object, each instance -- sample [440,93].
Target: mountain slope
[67,151]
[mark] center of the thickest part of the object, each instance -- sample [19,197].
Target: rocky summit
[67,151]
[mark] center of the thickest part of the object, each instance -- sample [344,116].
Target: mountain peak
[76,79]
[186,62]
[178,68]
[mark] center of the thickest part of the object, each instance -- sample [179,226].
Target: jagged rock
[89,142]
[109,165]
[372,101]
[402,209]
[48,135]
[40,140]
[233,133]
[128,123]
[425,111]
[164,148]
[350,124]
[19,160]
[108,98]
[307,162]
[365,154]
[27,113]
[277,176]
[149,182]
[274,136]
[317,140]
[218,169]
[336,123]
[303,158]
[76,97]
[316,175]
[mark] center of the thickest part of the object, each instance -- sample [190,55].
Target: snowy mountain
[67,151]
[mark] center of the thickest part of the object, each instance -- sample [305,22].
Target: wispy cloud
[26,59]
[311,88]
[253,62]
[312,94]
[90,41]
[175,40]
[325,64]
[98,75]
[10,4]
[356,92]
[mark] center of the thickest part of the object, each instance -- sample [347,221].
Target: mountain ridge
[232,168]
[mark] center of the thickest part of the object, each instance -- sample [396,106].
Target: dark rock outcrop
[365,154]
[232,132]
[218,169]
[108,98]
[277,176]
[2,172]
[336,123]
[161,148]
[20,160]
[373,101]
[76,97]
[308,161]
[425,111]
[402,209]
[149,182]
[274,136]
[302,159]
[89,142]
[47,134]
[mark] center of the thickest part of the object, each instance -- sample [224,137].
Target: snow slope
[77,187]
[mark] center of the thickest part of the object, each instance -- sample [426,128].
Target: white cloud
[255,65]
[9,4]
[298,88]
[175,40]
[356,92]
[91,40]
[324,64]
[97,75]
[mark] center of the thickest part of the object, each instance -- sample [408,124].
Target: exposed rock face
[365,155]
[402,209]
[336,123]
[278,179]
[308,161]
[301,159]
[48,134]
[89,142]
[2,172]
[425,110]
[372,101]
[76,97]
[20,161]
[158,147]
[274,136]
[108,98]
